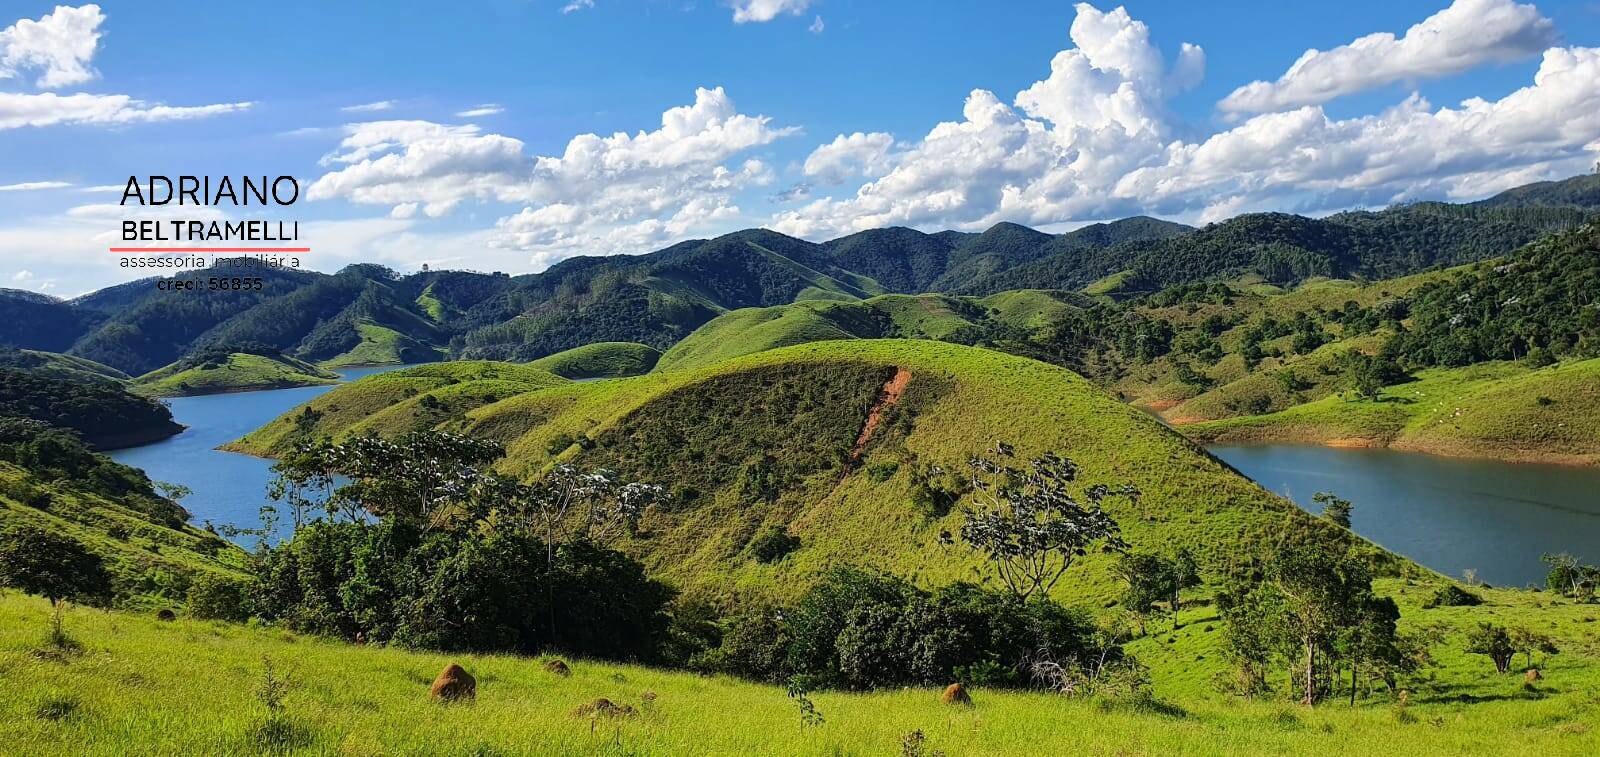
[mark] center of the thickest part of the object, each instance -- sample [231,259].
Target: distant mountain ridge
[369,314]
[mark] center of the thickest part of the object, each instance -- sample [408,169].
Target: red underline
[210,249]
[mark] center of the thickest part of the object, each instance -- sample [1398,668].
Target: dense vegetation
[601,360]
[1286,249]
[41,322]
[103,413]
[1540,305]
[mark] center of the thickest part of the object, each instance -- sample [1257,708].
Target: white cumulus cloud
[850,156]
[1095,139]
[617,193]
[1459,38]
[59,46]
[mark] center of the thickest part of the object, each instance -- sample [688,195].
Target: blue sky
[473,164]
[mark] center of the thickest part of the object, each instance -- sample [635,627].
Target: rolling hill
[216,370]
[776,439]
[57,365]
[601,360]
[369,314]
[960,320]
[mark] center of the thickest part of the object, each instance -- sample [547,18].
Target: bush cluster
[860,630]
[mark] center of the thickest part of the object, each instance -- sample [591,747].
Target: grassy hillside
[136,689]
[601,360]
[962,320]
[57,365]
[398,401]
[772,438]
[1500,410]
[231,372]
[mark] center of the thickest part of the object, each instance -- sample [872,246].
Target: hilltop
[101,412]
[219,369]
[601,360]
[960,320]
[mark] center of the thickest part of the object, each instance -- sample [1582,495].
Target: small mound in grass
[603,707]
[955,693]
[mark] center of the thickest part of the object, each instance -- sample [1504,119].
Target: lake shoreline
[1261,436]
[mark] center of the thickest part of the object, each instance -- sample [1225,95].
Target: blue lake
[1449,514]
[229,488]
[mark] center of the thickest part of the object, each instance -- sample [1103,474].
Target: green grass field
[142,686]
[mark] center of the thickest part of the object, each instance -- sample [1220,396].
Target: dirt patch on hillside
[887,397]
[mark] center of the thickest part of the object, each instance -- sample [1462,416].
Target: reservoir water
[229,488]
[1451,515]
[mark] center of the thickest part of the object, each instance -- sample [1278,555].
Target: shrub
[215,597]
[773,544]
[51,565]
[1453,596]
[859,630]
[1494,641]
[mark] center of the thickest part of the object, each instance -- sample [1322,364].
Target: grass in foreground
[141,686]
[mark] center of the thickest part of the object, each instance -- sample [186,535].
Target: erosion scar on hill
[887,397]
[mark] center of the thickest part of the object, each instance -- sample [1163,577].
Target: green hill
[103,413]
[1285,249]
[1500,410]
[962,320]
[773,439]
[398,401]
[40,322]
[601,360]
[57,365]
[216,370]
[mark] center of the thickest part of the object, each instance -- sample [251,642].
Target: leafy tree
[1373,641]
[1528,641]
[50,565]
[1154,579]
[1334,508]
[1296,599]
[1569,576]
[1494,641]
[1029,523]
[412,541]
[1151,580]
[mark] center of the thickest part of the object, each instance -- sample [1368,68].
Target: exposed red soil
[887,397]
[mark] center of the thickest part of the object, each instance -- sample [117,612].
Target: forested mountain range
[370,314]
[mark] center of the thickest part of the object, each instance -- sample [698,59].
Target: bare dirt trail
[887,397]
